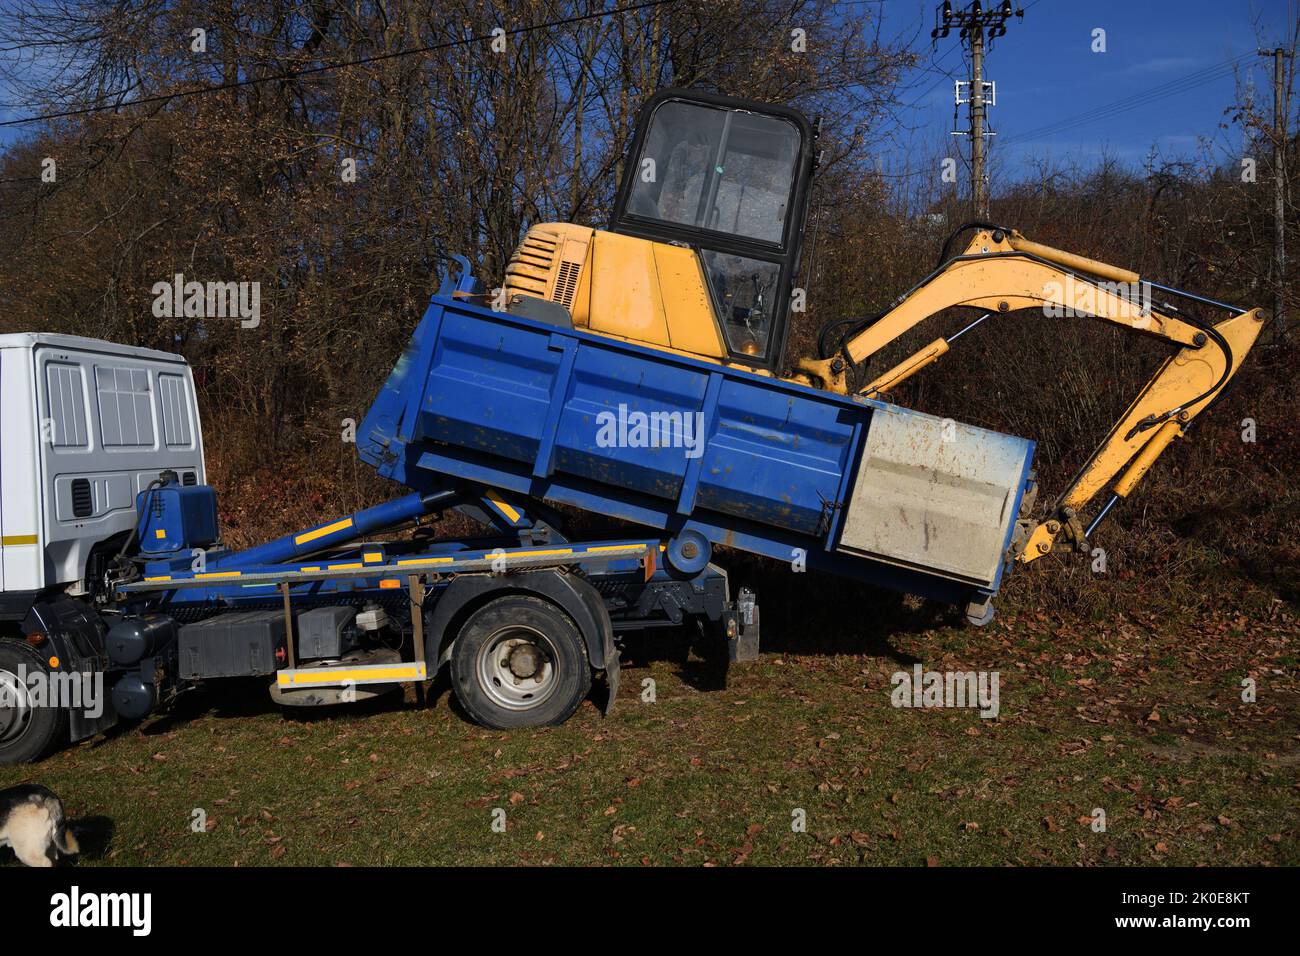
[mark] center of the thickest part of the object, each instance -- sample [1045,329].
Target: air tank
[132,639]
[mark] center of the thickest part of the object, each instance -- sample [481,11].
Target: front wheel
[520,661]
[30,724]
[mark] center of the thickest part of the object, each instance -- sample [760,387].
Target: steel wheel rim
[15,707]
[504,662]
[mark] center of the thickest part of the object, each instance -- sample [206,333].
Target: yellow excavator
[701,257]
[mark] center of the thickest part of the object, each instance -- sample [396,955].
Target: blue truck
[635,373]
[504,418]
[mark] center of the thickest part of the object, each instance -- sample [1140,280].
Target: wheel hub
[15,707]
[516,667]
[524,660]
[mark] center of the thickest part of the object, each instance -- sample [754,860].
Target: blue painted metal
[489,398]
[358,573]
[689,552]
[327,535]
[494,411]
[174,518]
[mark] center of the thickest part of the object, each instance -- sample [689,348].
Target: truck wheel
[27,731]
[520,661]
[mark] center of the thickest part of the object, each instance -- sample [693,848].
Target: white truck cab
[87,425]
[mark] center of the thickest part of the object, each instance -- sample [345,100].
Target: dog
[32,823]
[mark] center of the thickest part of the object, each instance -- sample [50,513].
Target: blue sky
[1046,72]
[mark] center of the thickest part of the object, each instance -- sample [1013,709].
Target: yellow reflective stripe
[536,554]
[345,567]
[220,574]
[617,547]
[427,561]
[160,534]
[337,675]
[372,557]
[321,532]
[505,509]
[165,577]
[10,540]
[305,570]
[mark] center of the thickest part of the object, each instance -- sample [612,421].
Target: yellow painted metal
[1006,283]
[906,368]
[651,293]
[503,506]
[1180,379]
[324,676]
[306,536]
[1040,543]
[1103,270]
[820,373]
[1144,459]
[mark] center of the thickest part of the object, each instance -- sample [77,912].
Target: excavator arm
[1000,271]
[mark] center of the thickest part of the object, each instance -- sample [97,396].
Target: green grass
[1139,717]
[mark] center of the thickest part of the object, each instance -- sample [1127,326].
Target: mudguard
[572,593]
[75,635]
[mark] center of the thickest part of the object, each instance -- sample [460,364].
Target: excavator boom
[1002,272]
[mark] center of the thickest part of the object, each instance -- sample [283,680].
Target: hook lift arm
[1001,271]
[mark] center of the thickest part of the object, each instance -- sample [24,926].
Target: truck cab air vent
[83,502]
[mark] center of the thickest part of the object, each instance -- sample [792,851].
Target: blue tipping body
[499,400]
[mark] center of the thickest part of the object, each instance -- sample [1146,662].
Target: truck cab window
[726,171]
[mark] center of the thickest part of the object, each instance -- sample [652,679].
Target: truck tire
[27,732]
[520,661]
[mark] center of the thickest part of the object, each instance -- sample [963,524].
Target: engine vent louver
[189,478]
[566,283]
[83,502]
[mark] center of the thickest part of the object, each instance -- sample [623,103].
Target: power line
[1134,100]
[327,67]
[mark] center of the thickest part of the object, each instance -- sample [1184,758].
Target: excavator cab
[728,178]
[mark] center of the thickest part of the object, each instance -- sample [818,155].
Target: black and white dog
[31,821]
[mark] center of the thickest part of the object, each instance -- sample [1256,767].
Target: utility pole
[1279,190]
[978,28]
[978,184]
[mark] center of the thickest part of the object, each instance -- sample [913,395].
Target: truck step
[343,675]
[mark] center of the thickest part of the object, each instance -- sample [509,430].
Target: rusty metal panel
[937,495]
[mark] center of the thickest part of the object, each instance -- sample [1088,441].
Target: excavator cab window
[717,170]
[730,179]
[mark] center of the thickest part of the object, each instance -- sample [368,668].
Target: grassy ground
[1136,713]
